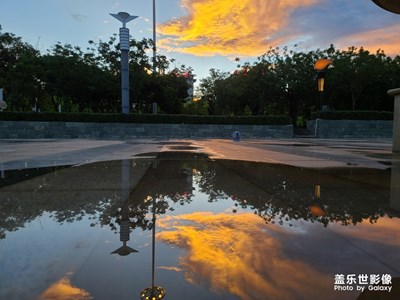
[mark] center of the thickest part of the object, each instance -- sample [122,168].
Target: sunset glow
[227,27]
[386,39]
[205,34]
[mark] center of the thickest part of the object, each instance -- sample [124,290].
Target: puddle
[291,145]
[383,155]
[183,148]
[15,176]
[220,230]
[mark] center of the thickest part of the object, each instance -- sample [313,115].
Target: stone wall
[31,130]
[351,128]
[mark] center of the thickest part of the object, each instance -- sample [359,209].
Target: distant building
[190,81]
[189,77]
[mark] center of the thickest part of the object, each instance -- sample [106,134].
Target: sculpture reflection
[124,232]
[124,221]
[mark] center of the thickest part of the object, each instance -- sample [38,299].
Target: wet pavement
[16,154]
[201,219]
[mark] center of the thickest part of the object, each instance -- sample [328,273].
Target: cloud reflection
[63,290]
[226,27]
[239,254]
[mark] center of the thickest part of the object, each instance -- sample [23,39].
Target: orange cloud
[175,269]
[63,290]
[234,254]
[386,39]
[229,27]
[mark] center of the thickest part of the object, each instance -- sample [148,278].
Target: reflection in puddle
[225,230]
[63,290]
[239,255]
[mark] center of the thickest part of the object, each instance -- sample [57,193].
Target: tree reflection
[68,195]
[169,182]
[276,193]
[284,193]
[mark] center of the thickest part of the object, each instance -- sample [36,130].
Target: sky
[205,34]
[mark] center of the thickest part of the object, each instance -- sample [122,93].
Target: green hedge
[353,115]
[135,118]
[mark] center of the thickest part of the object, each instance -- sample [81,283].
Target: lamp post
[154,52]
[124,18]
[389,5]
[154,37]
[320,66]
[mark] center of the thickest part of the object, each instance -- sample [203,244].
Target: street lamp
[154,37]
[154,52]
[389,5]
[320,66]
[124,18]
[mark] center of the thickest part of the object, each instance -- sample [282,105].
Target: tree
[212,90]
[361,77]
[85,80]
[296,81]
[281,81]
[18,62]
[284,82]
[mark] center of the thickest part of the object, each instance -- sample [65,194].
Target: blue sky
[208,34]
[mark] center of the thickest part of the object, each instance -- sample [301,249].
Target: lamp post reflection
[124,232]
[153,292]
[316,208]
[125,223]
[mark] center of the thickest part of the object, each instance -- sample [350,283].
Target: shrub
[144,118]
[353,115]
